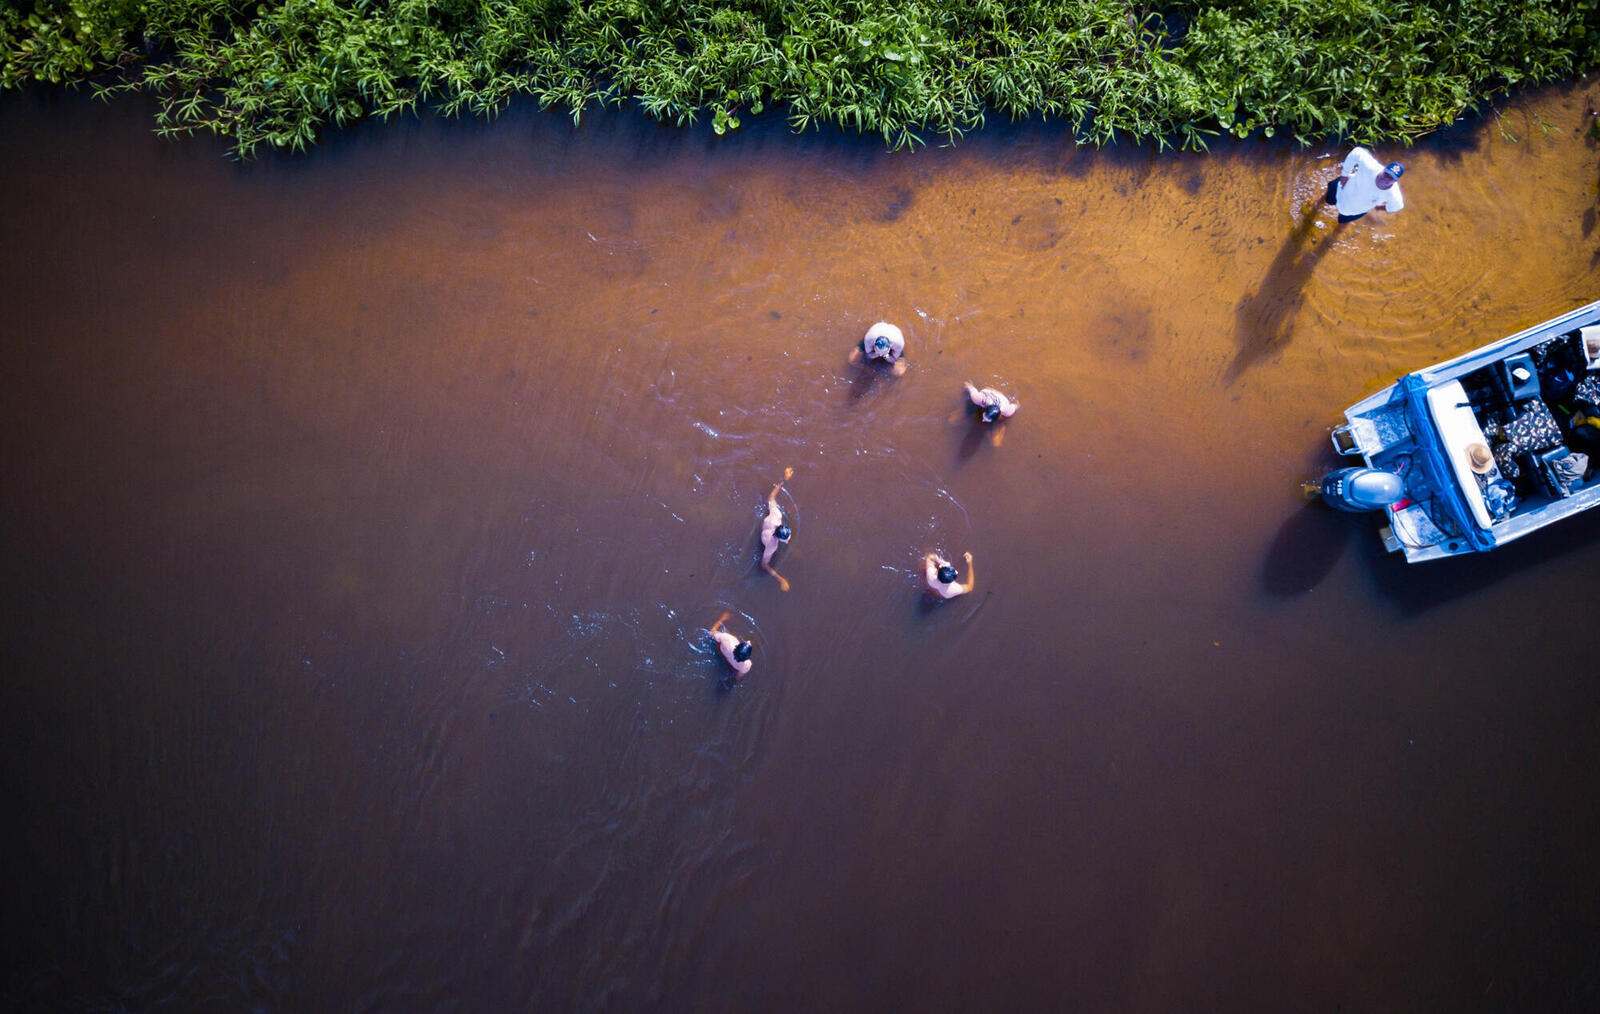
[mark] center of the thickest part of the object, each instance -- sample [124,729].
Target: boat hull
[1425,426]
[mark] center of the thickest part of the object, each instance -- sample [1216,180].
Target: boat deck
[1512,396]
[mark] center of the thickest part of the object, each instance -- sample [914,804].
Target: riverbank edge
[282,74]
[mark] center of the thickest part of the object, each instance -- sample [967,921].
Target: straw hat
[1480,458]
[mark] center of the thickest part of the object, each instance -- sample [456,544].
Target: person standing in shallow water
[990,403]
[942,577]
[992,407]
[775,530]
[883,343]
[736,652]
[1363,184]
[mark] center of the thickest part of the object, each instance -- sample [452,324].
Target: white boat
[1524,399]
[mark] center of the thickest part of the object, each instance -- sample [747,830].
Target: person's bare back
[734,651]
[775,531]
[942,577]
[992,406]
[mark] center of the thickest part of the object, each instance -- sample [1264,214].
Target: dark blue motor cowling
[1362,489]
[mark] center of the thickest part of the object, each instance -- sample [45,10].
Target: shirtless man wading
[774,530]
[941,576]
[736,652]
[992,407]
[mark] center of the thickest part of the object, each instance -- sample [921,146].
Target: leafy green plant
[279,72]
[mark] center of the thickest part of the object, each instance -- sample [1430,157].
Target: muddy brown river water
[362,512]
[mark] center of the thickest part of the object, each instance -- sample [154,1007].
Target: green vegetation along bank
[279,72]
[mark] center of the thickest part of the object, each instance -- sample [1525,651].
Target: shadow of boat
[1305,549]
[1417,588]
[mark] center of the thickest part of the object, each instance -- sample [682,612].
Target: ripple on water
[661,659]
[657,760]
[1372,268]
[924,515]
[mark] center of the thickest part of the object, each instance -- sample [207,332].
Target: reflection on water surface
[365,511]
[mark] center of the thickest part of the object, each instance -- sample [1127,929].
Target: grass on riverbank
[279,72]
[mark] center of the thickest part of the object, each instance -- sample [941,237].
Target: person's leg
[1351,218]
[1332,196]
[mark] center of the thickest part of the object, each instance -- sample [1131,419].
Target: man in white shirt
[883,343]
[1363,184]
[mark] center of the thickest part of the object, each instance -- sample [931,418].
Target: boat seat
[1458,430]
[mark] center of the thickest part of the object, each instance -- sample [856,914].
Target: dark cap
[742,651]
[947,574]
[1394,169]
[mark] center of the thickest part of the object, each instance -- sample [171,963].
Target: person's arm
[972,574]
[899,367]
[712,630]
[1394,202]
[855,355]
[1351,162]
[772,498]
[972,393]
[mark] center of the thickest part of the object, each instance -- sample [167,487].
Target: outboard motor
[1362,489]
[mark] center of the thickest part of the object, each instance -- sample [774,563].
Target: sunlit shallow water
[363,513]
